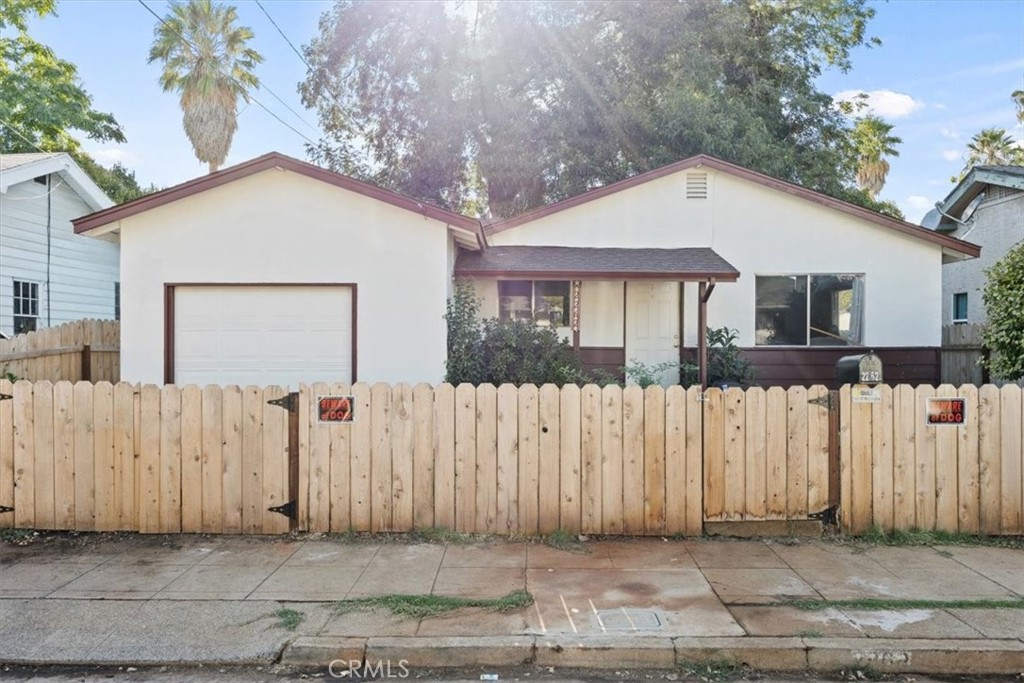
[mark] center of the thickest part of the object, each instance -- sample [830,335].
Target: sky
[945,71]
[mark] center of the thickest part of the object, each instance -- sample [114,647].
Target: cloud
[112,155]
[950,154]
[888,104]
[949,133]
[918,203]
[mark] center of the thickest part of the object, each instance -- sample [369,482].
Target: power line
[236,81]
[10,126]
[292,46]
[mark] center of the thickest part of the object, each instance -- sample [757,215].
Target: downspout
[49,227]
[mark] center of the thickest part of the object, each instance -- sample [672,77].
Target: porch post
[703,294]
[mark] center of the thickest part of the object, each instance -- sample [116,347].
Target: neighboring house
[276,271]
[986,207]
[48,274]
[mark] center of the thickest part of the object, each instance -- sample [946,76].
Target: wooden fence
[897,472]
[502,460]
[963,348]
[82,350]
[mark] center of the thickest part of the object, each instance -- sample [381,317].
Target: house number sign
[335,409]
[945,411]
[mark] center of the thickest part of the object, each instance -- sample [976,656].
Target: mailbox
[865,368]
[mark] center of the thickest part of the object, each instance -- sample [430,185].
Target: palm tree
[205,58]
[1018,99]
[990,147]
[872,142]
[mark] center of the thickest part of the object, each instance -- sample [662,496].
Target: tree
[547,99]
[206,60]
[1018,99]
[873,142]
[42,100]
[117,182]
[990,147]
[1004,335]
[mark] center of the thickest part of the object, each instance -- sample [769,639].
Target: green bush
[1003,294]
[504,351]
[725,360]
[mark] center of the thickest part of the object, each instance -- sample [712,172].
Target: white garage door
[263,335]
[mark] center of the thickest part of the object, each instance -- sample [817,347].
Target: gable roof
[468,227]
[950,245]
[974,183]
[19,168]
[696,264]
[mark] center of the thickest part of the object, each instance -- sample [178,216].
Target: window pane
[837,305]
[960,306]
[551,303]
[23,324]
[514,299]
[781,309]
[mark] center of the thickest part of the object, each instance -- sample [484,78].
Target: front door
[652,326]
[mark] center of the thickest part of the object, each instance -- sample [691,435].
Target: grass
[288,618]
[921,537]
[440,535]
[421,606]
[714,671]
[898,603]
[563,540]
[18,536]
[810,633]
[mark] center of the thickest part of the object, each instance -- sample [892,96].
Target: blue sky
[945,70]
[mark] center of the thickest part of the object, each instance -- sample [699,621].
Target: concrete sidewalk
[129,599]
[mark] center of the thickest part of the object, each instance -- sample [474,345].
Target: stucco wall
[278,226]
[761,232]
[997,226]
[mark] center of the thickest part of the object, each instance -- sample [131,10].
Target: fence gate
[771,454]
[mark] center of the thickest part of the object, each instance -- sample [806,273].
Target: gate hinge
[289,402]
[827,401]
[5,508]
[287,509]
[829,516]
[5,397]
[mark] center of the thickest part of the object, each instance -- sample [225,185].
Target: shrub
[1003,294]
[725,360]
[462,313]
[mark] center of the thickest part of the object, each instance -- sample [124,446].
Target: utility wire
[290,44]
[10,126]
[235,80]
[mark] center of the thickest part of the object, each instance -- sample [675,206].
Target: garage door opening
[243,334]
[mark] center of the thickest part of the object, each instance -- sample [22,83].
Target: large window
[815,310]
[26,306]
[545,302]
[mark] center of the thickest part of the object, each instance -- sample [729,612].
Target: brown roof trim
[263,163]
[944,241]
[617,275]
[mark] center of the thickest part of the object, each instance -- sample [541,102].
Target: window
[815,310]
[960,307]
[117,301]
[26,306]
[546,303]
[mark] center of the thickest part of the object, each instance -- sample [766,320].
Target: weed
[19,536]
[420,606]
[445,535]
[899,603]
[288,618]
[714,671]
[810,633]
[563,540]
[926,537]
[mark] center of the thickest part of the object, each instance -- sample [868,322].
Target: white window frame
[19,301]
[566,315]
[807,318]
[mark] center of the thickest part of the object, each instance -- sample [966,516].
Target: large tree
[873,141]
[537,101]
[43,106]
[991,147]
[207,60]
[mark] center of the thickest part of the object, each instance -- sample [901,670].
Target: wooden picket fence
[501,460]
[900,473]
[81,350]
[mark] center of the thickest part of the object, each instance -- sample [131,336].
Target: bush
[498,351]
[1003,294]
[725,360]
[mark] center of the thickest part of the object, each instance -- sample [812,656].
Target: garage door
[249,334]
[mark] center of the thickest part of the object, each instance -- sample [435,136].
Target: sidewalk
[128,599]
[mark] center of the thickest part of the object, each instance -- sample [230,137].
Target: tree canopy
[519,104]
[873,141]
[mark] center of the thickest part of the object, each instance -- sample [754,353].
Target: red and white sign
[335,409]
[946,411]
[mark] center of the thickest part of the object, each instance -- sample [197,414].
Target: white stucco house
[987,208]
[48,274]
[278,272]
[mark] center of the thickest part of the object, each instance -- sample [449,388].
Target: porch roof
[692,264]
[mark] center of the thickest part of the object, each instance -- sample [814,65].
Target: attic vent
[995,192]
[696,185]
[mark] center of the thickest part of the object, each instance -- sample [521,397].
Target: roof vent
[696,185]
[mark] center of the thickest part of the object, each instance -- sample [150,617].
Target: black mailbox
[865,368]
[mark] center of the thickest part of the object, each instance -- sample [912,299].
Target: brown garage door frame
[169,292]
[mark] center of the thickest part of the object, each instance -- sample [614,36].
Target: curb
[885,655]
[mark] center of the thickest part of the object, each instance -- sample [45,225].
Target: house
[276,271]
[987,207]
[48,274]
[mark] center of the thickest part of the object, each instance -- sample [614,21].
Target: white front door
[652,326]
